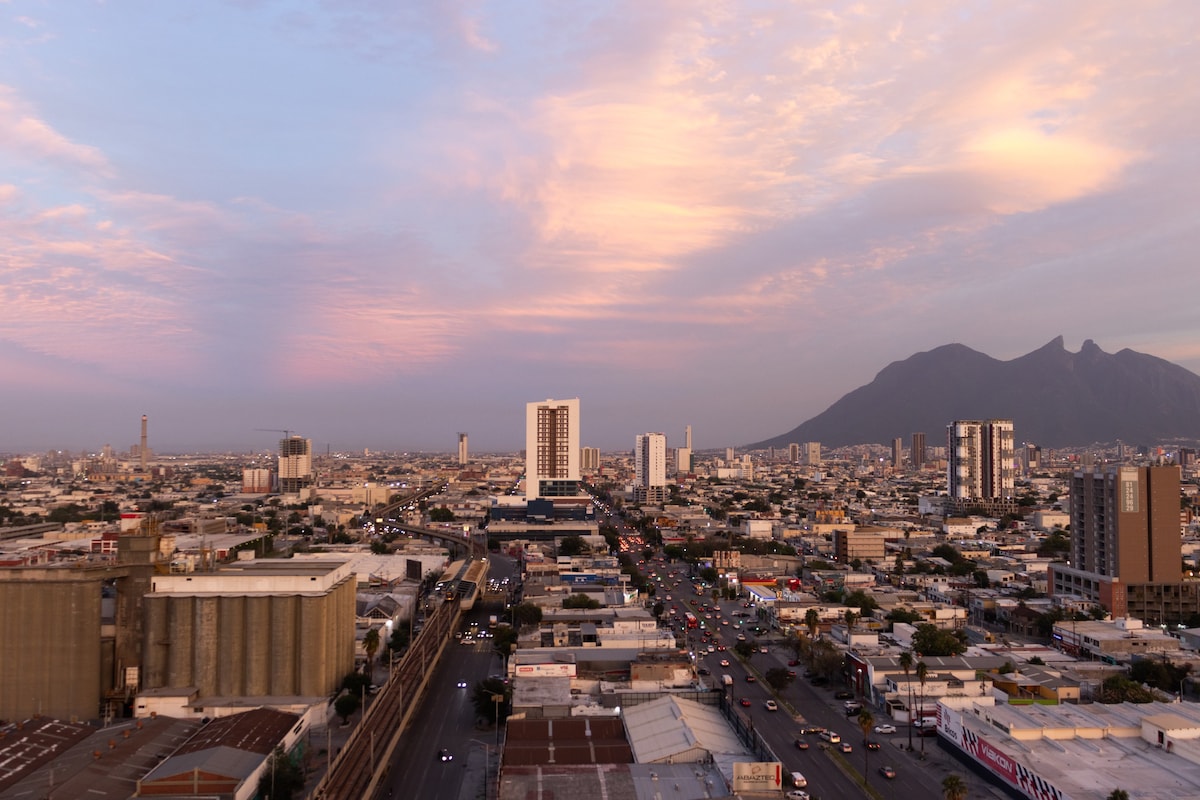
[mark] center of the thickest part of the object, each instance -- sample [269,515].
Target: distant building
[295,464]
[552,449]
[793,453]
[462,449]
[897,452]
[981,470]
[258,481]
[917,454]
[589,459]
[812,453]
[650,467]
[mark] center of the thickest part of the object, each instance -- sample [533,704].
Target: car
[847,747]
[704,671]
[801,744]
[724,662]
[746,702]
[792,662]
[842,695]
[887,772]
[720,648]
[831,736]
[812,729]
[771,705]
[885,728]
[445,755]
[741,637]
[791,673]
[871,744]
[462,684]
[751,679]
[797,794]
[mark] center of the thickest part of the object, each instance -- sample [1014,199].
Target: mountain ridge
[1055,398]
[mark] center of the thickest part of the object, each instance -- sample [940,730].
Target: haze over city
[377,225]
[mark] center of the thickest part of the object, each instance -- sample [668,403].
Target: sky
[377,224]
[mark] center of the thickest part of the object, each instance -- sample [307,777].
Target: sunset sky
[379,223]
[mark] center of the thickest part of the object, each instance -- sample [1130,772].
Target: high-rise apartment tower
[980,462]
[650,467]
[552,449]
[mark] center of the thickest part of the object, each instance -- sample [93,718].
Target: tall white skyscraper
[462,449]
[552,449]
[295,464]
[650,467]
[980,460]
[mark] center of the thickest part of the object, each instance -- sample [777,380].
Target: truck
[727,679]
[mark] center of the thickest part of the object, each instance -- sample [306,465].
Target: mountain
[1055,399]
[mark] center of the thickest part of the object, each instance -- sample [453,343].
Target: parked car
[885,728]
[842,695]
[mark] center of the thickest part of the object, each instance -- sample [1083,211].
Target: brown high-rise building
[917,454]
[1125,524]
[1126,545]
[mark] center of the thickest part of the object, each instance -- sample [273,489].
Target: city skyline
[380,226]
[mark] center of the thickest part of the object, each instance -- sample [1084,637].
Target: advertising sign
[546,670]
[757,776]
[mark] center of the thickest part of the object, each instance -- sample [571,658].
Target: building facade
[295,464]
[650,467]
[917,454]
[981,470]
[552,449]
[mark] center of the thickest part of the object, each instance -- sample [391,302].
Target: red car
[801,744]
[750,679]
[746,702]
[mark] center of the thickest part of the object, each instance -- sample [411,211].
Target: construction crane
[286,433]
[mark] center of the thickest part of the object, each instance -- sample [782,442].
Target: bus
[691,619]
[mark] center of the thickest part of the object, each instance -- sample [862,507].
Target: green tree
[1118,794]
[1120,689]
[282,778]
[580,600]
[954,788]
[441,514]
[745,650]
[526,614]
[778,678]
[571,546]
[345,705]
[930,640]
[812,618]
[865,720]
[922,676]
[371,646]
[905,615]
[503,639]
[483,698]
[860,600]
[906,662]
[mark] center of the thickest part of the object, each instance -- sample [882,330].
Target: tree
[930,640]
[441,514]
[580,600]
[906,662]
[905,615]
[865,720]
[345,705]
[851,618]
[812,618]
[282,779]
[922,675]
[954,787]
[1118,794]
[571,546]
[526,614]
[778,678]
[745,650]
[371,646]
[482,697]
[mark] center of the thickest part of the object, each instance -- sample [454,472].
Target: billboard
[757,776]
[553,670]
[1006,766]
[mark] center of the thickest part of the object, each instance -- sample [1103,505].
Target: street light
[497,699]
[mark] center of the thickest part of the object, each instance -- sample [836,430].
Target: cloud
[25,135]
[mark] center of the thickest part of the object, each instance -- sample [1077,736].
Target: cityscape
[867,460]
[909,619]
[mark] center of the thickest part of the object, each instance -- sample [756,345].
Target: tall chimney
[142,451]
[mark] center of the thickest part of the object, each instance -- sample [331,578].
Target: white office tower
[683,460]
[462,449]
[980,460]
[552,449]
[729,456]
[650,467]
[812,453]
[295,464]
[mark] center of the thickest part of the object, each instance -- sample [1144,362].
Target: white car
[885,728]
[771,705]
[831,736]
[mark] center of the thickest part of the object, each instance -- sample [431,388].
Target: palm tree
[371,645]
[812,618]
[906,662]
[1118,794]
[922,674]
[851,618]
[865,720]
[954,788]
